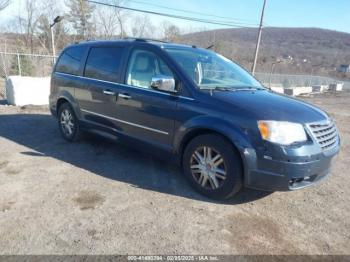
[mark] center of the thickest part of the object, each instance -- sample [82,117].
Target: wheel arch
[232,134]
[66,97]
[61,101]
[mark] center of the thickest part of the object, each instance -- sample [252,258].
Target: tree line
[29,30]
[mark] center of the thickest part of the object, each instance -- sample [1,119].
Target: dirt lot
[96,197]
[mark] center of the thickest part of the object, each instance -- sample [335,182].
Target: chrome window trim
[126,122]
[135,87]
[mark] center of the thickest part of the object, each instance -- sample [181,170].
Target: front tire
[213,166]
[68,123]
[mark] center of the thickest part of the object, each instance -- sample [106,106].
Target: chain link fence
[23,64]
[283,80]
[2,89]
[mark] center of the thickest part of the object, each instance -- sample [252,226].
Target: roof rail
[145,39]
[84,41]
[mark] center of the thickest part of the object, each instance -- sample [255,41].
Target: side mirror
[164,83]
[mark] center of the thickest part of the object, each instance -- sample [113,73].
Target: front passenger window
[143,66]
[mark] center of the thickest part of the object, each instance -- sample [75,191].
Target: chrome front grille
[325,133]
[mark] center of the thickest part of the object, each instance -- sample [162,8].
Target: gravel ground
[96,197]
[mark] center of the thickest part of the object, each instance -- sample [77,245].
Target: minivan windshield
[210,70]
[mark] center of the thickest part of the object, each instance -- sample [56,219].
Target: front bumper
[305,166]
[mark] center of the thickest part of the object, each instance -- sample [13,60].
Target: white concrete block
[23,90]
[299,90]
[336,87]
[319,88]
[277,89]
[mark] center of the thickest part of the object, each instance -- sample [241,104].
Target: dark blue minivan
[199,108]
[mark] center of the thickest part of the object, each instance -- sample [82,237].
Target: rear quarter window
[70,60]
[104,63]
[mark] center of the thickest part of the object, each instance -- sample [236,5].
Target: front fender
[234,133]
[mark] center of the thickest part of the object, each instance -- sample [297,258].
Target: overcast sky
[332,14]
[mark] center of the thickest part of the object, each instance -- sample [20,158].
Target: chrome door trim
[109,93]
[124,96]
[120,84]
[126,122]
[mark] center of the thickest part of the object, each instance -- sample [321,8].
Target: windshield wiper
[223,88]
[248,89]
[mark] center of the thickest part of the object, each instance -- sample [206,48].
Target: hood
[267,105]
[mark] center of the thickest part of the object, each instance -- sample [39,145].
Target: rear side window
[70,60]
[103,63]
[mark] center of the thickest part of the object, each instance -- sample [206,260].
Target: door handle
[108,92]
[125,96]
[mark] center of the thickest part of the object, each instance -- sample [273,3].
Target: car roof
[154,42]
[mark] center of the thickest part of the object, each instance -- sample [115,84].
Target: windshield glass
[211,70]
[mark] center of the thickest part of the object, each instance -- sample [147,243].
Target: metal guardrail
[285,80]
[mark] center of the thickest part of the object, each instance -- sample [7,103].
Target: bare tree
[80,15]
[4,4]
[171,32]
[33,25]
[121,17]
[107,23]
[44,36]
[110,20]
[27,22]
[143,27]
[51,9]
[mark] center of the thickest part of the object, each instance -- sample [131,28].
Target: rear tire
[68,123]
[213,166]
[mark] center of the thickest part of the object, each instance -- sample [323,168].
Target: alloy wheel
[208,167]
[67,122]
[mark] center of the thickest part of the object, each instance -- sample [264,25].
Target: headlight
[284,133]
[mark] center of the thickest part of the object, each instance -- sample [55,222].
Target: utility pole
[53,43]
[259,38]
[55,21]
[271,71]
[19,64]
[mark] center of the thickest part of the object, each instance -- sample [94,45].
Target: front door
[145,113]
